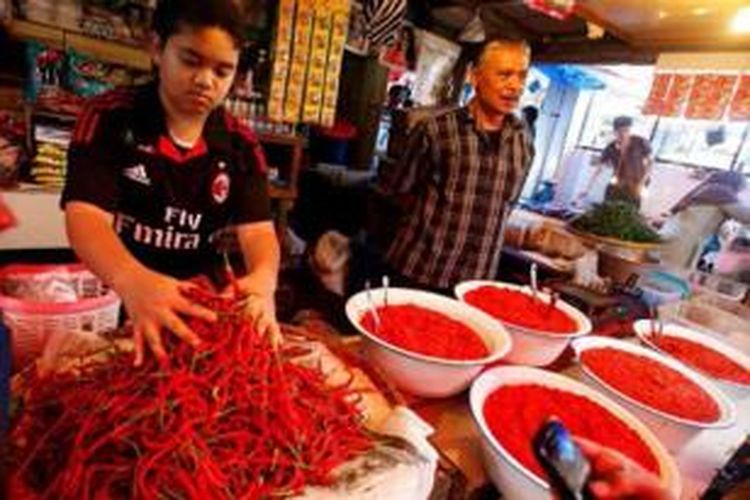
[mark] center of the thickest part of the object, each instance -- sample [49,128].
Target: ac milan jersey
[168,202]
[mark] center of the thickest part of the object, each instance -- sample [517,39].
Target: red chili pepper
[652,383]
[703,358]
[520,309]
[232,419]
[425,331]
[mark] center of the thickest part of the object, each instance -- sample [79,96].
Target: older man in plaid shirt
[462,171]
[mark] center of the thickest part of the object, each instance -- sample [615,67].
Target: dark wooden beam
[605,51]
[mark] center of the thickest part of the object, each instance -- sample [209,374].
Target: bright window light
[741,21]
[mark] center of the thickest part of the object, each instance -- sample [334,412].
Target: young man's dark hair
[171,15]
[622,122]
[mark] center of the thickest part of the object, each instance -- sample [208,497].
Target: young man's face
[196,68]
[500,76]
[622,133]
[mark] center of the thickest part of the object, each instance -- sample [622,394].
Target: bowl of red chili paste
[427,344]
[651,381]
[509,404]
[716,359]
[540,331]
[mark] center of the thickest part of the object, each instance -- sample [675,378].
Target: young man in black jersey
[155,171]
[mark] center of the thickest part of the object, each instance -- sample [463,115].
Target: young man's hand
[615,476]
[260,306]
[154,303]
[262,312]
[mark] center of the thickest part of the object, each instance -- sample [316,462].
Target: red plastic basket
[32,323]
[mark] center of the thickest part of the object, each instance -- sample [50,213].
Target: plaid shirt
[464,181]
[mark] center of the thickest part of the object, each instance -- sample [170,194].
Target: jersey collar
[151,129]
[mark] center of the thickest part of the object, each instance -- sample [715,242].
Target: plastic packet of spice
[52,287]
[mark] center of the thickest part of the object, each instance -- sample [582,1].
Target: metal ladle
[371,305]
[534,282]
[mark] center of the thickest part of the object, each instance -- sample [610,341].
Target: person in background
[699,214]
[459,176]
[530,116]
[615,476]
[155,172]
[629,157]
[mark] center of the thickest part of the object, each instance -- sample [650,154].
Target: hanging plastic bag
[7,219]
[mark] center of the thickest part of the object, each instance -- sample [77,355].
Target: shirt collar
[150,123]
[510,121]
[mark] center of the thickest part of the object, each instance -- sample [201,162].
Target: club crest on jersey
[220,188]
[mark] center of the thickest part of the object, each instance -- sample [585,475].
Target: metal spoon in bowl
[386,284]
[657,325]
[371,306]
[534,283]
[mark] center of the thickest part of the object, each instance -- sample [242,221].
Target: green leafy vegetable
[617,219]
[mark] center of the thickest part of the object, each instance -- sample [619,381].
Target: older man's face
[500,77]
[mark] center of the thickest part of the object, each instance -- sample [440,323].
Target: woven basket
[32,323]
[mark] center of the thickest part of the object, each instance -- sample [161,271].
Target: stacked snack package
[49,165]
[309,48]
[295,88]
[316,72]
[60,13]
[710,96]
[282,59]
[340,27]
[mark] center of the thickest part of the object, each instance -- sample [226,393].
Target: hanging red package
[557,9]
[425,332]
[7,218]
[739,109]
[659,87]
[515,413]
[709,96]
[677,96]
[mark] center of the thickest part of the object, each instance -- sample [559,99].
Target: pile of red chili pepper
[520,309]
[652,383]
[233,418]
[703,358]
[515,413]
[426,332]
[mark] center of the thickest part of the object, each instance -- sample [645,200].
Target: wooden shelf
[281,192]
[63,117]
[59,38]
[282,140]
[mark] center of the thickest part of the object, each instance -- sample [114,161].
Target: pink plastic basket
[32,323]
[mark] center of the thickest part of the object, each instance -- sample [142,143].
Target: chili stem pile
[233,418]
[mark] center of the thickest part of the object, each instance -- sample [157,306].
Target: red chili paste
[426,332]
[515,413]
[520,309]
[703,358]
[652,383]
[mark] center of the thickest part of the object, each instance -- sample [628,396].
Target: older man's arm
[399,181]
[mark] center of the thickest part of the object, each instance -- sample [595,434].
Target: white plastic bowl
[675,432]
[532,347]
[419,374]
[513,479]
[735,390]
